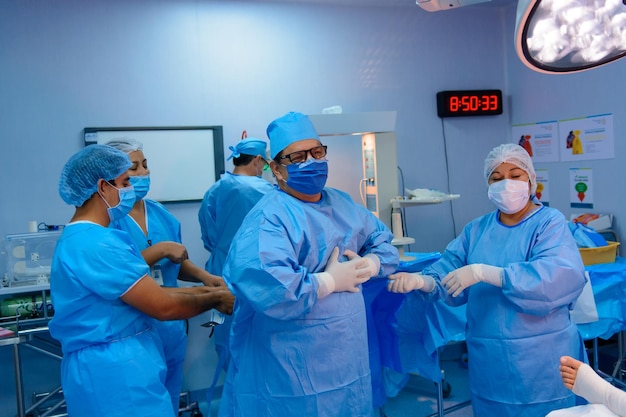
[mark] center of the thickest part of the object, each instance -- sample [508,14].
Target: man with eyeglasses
[296,265]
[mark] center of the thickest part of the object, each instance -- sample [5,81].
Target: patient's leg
[585,382]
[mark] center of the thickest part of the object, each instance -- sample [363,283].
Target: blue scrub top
[92,267]
[222,211]
[162,226]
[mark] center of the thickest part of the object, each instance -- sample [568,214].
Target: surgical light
[562,36]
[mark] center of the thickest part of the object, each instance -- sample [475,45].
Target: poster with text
[541,140]
[587,138]
[543,189]
[581,188]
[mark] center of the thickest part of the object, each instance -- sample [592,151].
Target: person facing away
[105,300]
[605,400]
[299,338]
[223,208]
[157,234]
[519,271]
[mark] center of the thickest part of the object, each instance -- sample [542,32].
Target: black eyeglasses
[300,156]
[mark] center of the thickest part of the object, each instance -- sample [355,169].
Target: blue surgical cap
[288,129]
[126,145]
[249,146]
[80,175]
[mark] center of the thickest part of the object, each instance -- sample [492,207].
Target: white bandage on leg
[596,390]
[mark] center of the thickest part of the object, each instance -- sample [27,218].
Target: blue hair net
[126,145]
[288,129]
[80,175]
[249,146]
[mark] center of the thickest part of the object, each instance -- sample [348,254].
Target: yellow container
[600,255]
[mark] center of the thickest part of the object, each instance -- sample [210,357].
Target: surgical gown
[516,334]
[222,211]
[163,226]
[113,362]
[292,353]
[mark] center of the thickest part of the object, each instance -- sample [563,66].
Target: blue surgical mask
[141,184]
[127,201]
[308,177]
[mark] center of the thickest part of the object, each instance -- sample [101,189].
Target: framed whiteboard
[183,161]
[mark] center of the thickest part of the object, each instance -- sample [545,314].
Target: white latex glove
[403,282]
[460,279]
[343,276]
[373,261]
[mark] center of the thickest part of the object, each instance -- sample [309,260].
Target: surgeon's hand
[403,282]
[373,261]
[460,279]
[343,276]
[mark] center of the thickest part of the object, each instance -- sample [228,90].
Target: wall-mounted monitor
[184,161]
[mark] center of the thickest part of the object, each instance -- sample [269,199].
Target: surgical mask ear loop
[102,197]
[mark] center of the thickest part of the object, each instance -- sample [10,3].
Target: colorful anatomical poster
[581,188]
[539,139]
[586,138]
[543,189]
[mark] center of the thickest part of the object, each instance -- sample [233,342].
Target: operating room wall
[69,64]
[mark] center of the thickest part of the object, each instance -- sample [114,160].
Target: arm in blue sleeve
[454,257]
[554,275]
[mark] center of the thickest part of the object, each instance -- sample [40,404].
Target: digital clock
[469,103]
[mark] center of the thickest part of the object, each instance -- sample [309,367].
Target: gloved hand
[403,282]
[373,262]
[343,276]
[460,279]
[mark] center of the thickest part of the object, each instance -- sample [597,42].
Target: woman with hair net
[105,300]
[519,271]
[296,265]
[156,232]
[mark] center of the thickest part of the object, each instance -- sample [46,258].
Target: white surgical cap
[290,128]
[80,175]
[126,145]
[511,153]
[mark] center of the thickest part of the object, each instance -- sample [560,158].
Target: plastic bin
[600,255]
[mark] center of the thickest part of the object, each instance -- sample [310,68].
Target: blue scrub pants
[125,377]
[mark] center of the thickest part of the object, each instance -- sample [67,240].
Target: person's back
[223,208]
[222,211]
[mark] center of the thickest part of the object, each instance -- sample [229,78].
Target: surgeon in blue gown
[156,232]
[519,271]
[105,300]
[223,208]
[299,337]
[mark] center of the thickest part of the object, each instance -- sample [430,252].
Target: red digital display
[469,103]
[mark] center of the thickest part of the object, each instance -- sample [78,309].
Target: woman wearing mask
[519,271]
[156,232]
[106,303]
